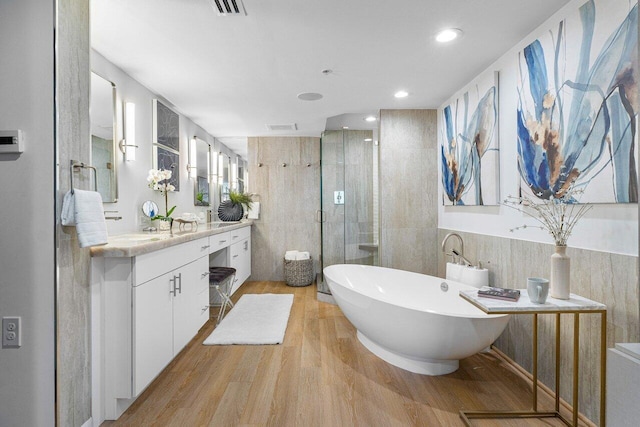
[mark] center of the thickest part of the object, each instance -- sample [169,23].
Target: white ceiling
[235,75]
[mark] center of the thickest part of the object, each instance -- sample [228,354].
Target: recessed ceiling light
[309,96]
[345,127]
[368,139]
[370,119]
[448,35]
[401,94]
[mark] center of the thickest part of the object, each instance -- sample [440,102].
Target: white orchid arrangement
[158,180]
[556,215]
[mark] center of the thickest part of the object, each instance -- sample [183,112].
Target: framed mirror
[202,192]
[102,111]
[241,176]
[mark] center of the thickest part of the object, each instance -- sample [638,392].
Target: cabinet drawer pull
[234,237]
[206,247]
[223,241]
[235,256]
[180,280]
[205,274]
[173,290]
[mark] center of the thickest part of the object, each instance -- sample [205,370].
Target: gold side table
[575,305]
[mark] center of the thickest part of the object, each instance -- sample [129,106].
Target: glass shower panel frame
[347,186]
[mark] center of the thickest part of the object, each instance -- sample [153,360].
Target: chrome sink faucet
[455,254]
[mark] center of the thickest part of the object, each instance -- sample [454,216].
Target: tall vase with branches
[558,216]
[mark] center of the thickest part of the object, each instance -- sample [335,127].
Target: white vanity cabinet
[167,312]
[240,256]
[150,297]
[154,305]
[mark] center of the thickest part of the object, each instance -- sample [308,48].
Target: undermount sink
[219,224]
[141,237]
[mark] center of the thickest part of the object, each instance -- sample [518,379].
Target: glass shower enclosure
[349,199]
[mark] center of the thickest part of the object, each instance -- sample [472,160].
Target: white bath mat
[255,319]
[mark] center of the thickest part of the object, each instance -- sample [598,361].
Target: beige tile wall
[289,199]
[73,293]
[604,277]
[408,189]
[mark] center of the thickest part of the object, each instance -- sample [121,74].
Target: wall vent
[228,7]
[291,126]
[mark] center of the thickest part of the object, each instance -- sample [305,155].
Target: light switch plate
[338,197]
[11,337]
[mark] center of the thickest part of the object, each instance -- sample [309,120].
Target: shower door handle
[321,216]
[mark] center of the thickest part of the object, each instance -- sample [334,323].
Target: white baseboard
[88,423]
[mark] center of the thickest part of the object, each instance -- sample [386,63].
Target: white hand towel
[303,255]
[68,215]
[254,213]
[84,210]
[290,255]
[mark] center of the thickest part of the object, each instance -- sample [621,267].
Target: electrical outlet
[11,337]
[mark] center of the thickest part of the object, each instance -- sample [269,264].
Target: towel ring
[77,164]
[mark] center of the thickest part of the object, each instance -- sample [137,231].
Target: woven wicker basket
[298,272]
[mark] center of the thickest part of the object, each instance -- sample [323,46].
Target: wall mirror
[224,176]
[201,184]
[102,110]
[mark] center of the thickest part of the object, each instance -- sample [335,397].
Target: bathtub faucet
[459,255]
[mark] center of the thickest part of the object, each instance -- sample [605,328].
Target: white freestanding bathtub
[413,321]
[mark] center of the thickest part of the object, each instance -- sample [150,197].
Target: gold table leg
[535,362]
[467,416]
[603,368]
[557,362]
[576,362]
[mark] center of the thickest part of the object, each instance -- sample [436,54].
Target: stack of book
[499,293]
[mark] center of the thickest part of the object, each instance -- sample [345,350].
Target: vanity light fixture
[401,94]
[214,163]
[448,35]
[128,144]
[234,174]
[192,166]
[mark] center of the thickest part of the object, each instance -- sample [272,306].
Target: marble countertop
[139,243]
[575,303]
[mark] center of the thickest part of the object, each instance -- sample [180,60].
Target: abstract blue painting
[577,106]
[469,154]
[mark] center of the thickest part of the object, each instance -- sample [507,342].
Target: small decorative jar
[164,224]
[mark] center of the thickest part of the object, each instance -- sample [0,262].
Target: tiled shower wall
[73,314]
[408,190]
[604,277]
[289,198]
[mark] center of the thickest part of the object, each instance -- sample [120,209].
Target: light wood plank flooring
[320,376]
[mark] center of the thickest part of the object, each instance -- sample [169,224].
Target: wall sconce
[128,144]
[192,166]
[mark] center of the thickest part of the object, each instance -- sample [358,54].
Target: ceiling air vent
[291,126]
[228,7]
